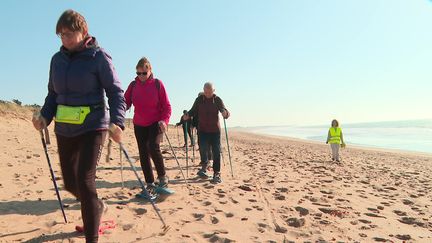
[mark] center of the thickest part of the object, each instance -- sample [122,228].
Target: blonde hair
[73,21]
[143,62]
[335,121]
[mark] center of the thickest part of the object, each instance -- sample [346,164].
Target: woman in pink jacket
[151,116]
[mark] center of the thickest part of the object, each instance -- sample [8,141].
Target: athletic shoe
[216,178]
[202,173]
[163,181]
[150,195]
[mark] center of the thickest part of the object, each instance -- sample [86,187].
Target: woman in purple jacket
[81,73]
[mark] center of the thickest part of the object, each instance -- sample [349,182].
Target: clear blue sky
[272,62]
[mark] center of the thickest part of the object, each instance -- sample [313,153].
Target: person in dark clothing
[207,107]
[188,124]
[81,73]
[209,148]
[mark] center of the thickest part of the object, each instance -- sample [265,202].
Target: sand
[282,191]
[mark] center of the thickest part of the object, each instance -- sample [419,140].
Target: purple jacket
[80,79]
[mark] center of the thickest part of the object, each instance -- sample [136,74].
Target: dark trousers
[209,148]
[185,133]
[213,140]
[148,139]
[78,159]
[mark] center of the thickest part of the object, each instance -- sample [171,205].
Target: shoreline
[360,147]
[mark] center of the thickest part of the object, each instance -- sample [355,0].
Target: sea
[413,135]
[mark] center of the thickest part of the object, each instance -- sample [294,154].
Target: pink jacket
[151,105]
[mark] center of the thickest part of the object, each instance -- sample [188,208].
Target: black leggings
[79,156]
[148,139]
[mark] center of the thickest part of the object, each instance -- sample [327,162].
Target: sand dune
[282,190]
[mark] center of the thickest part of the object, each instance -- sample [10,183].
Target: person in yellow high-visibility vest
[335,138]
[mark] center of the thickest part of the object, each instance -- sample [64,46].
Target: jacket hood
[88,46]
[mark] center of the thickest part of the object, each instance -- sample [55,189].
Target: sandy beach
[282,191]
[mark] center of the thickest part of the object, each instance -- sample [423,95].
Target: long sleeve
[128,95]
[220,105]
[111,84]
[194,110]
[180,122]
[165,104]
[49,108]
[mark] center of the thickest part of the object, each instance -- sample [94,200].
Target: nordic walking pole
[47,136]
[193,144]
[186,147]
[146,193]
[178,163]
[121,167]
[221,152]
[107,158]
[178,137]
[52,175]
[229,153]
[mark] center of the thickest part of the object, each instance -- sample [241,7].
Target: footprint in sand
[379,239]
[317,215]
[140,211]
[403,237]
[214,220]
[198,216]
[407,202]
[206,203]
[233,200]
[385,203]
[373,210]
[214,237]
[221,191]
[127,227]
[278,196]
[262,227]
[296,222]
[302,211]
[412,221]
[246,188]
[208,186]
[282,189]
[229,215]
[365,221]
[374,215]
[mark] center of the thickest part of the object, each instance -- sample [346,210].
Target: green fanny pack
[72,114]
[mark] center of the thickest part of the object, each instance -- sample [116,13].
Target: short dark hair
[73,21]
[335,121]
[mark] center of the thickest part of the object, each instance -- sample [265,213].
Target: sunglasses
[141,73]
